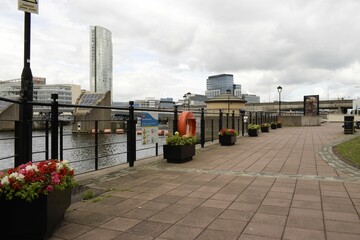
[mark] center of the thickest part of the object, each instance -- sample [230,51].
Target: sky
[166,48]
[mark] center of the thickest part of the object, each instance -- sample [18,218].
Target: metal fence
[53,134]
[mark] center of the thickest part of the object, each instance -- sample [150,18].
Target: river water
[82,160]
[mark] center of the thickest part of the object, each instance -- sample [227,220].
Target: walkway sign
[149,127]
[30,6]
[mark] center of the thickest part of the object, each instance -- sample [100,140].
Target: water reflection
[80,151]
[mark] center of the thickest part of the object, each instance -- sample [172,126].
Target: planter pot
[264,129]
[227,140]
[273,126]
[33,220]
[253,132]
[179,153]
[279,125]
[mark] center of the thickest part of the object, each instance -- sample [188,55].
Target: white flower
[31,167]
[17,176]
[5,181]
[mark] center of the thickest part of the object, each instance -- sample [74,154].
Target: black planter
[273,126]
[227,140]
[253,132]
[179,153]
[33,220]
[279,125]
[264,129]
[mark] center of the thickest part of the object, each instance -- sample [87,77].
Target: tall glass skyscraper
[101,60]
[219,84]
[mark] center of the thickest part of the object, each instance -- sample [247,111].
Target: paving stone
[245,236]
[306,222]
[269,219]
[133,236]
[341,236]
[149,228]
[228,225]
[342,216]
[71,230]
[273,210]
[210,234]
[292,233]
[140,213]
[344,227]
[216,203]
[121,223]
[244,206]
[87,218]
[179,232]
[99,234]
[276,202]
[265,230]
[236,215]
[179,208]
[306,204]
[166,217]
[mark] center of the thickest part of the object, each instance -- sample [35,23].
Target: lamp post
[279,89]
[187,98]
[228,92]
[184,101]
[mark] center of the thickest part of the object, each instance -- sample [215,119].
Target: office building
[67,93]
[101,60]
[251,98]
[220,84]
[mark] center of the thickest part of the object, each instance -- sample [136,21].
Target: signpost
[30,6]
[24,145]
[149,128]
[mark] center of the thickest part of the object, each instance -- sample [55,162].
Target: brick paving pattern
[286,184]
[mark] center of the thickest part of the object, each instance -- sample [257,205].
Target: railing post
[54,127]
[227,120]
[212,130]
[47,139]
[18,143]
[242,113]
[202,128]
[220,120]
[256,118]
[131,136]
[61,148]
[233,120]
[175,121]
[96,145]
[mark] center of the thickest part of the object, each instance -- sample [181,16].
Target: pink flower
[49,188]
[55,178]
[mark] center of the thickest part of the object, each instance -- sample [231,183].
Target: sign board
[30,6]
[149,128]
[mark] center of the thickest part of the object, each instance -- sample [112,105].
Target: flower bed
[30,180]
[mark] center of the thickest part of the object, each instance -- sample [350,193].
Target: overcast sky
[165,48]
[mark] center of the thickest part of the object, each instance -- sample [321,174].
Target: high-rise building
[101,59]
[219,84]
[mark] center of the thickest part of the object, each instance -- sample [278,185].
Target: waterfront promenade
[286,184]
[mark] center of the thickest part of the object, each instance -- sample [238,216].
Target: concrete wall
[8,117]
[290,121]
[340,117]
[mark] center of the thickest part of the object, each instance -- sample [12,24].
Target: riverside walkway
[286,184]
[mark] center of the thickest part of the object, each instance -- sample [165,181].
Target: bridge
[340,106]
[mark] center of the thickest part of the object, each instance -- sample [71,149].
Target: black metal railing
[53,135]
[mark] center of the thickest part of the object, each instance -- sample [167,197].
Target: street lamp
[228,92]
[279,89]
